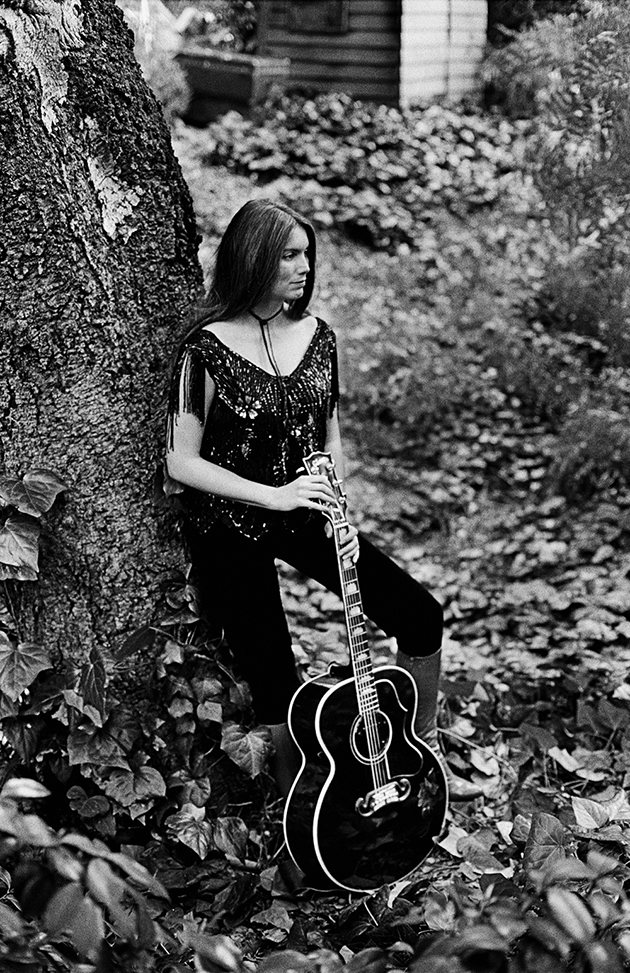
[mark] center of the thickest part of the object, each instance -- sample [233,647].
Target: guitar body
[333,833]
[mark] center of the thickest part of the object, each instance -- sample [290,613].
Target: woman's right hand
[305,491]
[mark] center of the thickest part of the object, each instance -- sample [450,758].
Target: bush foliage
[371,170]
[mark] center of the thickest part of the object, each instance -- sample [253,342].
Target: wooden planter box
[221,81]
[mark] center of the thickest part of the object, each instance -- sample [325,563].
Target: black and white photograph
[314,486]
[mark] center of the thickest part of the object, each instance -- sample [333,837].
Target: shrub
[240,20]
[228,25]
[517,76]
[507,16]
[570,75]
[380,171]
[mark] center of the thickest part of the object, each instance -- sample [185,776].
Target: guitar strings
[369,716]
[376,759]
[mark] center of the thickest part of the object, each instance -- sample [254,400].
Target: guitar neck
[357,634]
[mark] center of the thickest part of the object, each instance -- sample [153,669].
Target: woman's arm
[333,443]
[186,465]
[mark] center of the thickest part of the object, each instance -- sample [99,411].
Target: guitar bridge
[392,793]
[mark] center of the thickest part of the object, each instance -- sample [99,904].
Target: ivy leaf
[173,653]
[92,686]
[93,807]
[247,749]
[10,573]
[564,758]
[23,734]
[34,493]
[547,841]
[20,665]
[542,737]
[615,717]
[190,827]
[8,707]
[589,814]
[142,639]
[180,707]
[95,746]
[618,808]
[481,860]
[210,712]
[127,786]
[207,689]
[230,837]
[276,916]
[19,546]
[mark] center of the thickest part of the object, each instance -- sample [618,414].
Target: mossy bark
[98,266]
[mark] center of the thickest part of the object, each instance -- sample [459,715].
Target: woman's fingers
[317,488]
[305,491]
[349,549]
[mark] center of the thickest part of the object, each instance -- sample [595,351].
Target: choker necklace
[262,321]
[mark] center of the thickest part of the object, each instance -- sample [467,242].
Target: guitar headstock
[322,464]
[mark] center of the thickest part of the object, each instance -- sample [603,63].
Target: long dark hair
[246,266]
[248,258]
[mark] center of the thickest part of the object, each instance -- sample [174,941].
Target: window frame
[295,24]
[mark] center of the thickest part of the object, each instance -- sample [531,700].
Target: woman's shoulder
[325,330]
[197,339]
[220,329]
[314,321]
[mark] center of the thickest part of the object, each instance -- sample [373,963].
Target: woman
[254,391]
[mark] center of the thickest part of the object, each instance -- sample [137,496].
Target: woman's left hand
[349,548]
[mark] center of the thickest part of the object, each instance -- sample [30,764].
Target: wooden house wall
[364,61]
[442,42]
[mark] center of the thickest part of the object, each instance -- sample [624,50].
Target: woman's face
[293,269]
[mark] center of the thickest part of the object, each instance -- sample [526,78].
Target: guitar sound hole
[371,736]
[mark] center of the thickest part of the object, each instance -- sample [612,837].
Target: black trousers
[238,584]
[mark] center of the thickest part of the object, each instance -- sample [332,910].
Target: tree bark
[97,268]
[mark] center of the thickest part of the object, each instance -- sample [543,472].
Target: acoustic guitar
[370,796]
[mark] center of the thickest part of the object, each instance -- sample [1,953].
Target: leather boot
[285,763]
[425,671]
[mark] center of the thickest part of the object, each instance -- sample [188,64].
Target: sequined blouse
[259,425]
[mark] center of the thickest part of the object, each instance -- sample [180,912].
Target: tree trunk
[97,268]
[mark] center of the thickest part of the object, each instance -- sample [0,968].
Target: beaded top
[259,425]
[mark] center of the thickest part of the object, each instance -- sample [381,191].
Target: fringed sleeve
[334,376]
[188,389]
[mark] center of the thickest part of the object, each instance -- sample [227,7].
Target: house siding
[364,61]
[442,42]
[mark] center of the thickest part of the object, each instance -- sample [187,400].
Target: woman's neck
[267,311]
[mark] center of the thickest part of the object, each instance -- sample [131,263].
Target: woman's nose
[304,264]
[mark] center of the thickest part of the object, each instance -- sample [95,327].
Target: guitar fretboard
[357,634]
